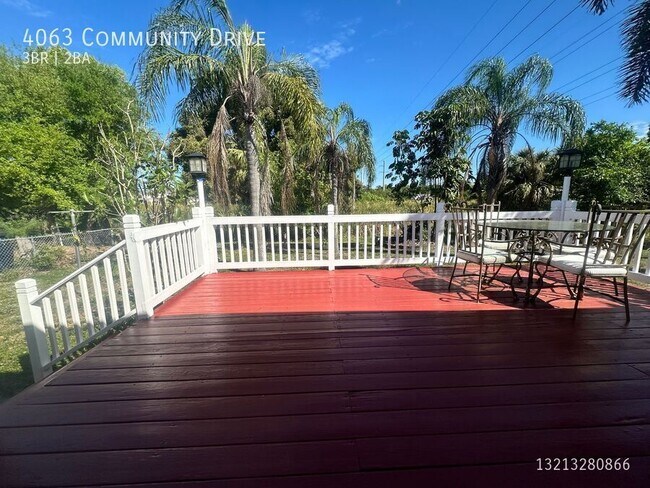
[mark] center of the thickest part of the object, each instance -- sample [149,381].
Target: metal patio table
[531,230]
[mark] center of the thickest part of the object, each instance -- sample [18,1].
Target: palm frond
[597,6]
[218,156]
[636,39]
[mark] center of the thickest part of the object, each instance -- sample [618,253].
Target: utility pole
[75,236]
[384,176]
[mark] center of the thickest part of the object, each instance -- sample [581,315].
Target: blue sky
[381,55]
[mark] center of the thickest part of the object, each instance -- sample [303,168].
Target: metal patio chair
[607,253]
[474,244]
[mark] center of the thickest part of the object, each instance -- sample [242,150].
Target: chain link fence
[24,255]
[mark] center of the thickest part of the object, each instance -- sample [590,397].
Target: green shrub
[20,228]
[46,259]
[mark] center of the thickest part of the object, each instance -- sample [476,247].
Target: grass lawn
[15,371]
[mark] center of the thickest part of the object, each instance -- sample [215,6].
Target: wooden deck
[352,378]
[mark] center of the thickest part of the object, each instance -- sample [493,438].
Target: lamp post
[569,161]
[198,169]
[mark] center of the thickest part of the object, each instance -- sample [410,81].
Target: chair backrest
[622,234]
[469,226]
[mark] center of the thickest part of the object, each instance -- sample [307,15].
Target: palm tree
[494,103]
[528,187]
[229,83]
[347,149]
[636,41]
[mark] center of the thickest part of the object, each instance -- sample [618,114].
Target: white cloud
[312,16]
[323,54]
[27,7]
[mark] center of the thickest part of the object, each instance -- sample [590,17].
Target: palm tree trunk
[252,159]
[287,198]
[335,190]
[496,171]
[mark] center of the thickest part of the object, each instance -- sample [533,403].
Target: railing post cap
[196,212]
[131,221]
[330,209]
[208,211]
[26,285]
[440,207]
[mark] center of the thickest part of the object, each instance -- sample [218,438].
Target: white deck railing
[153,263]
[77,310]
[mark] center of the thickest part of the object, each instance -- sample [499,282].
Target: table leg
[531,267]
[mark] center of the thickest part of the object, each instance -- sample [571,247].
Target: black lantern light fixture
[570,158]
[198,166]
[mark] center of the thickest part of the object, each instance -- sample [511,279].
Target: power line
[588,73]
[602,98]
[545,33]
[587,41]
[444,63]
[526,26]
[472,60]
[592,79]
[481,51]
[597,93]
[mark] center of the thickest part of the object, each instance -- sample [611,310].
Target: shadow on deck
[353,378]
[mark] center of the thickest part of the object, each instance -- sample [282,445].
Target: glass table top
[544,225]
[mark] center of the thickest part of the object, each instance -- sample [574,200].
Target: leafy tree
[228,85]
[614,169]
[496,102]
[142,173]
[432,163]
[530,180]
[49,134]
[635,82]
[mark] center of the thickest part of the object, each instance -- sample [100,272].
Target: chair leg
[453,271]
[480,281]
[568,286]
[615,286]
[494,273]
[627,302]
[579,294]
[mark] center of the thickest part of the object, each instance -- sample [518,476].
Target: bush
[20,228]
[46,259]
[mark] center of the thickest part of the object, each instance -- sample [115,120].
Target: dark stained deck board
[320,427]
[355,378]
[504,476]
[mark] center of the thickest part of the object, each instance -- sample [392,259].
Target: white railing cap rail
[81,270]
[146,233]
[322,219]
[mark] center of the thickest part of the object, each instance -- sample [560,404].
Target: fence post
[210,239]
[139,266]
[208,242]
[331,238]
[32,318]
[441,218]
[201,247]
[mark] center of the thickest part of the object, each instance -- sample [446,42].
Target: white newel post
[201,244]
[210,239]
[331,238]
[32,317]
[139,266]
[441,218]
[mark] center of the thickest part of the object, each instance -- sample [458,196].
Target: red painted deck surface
[354,378]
